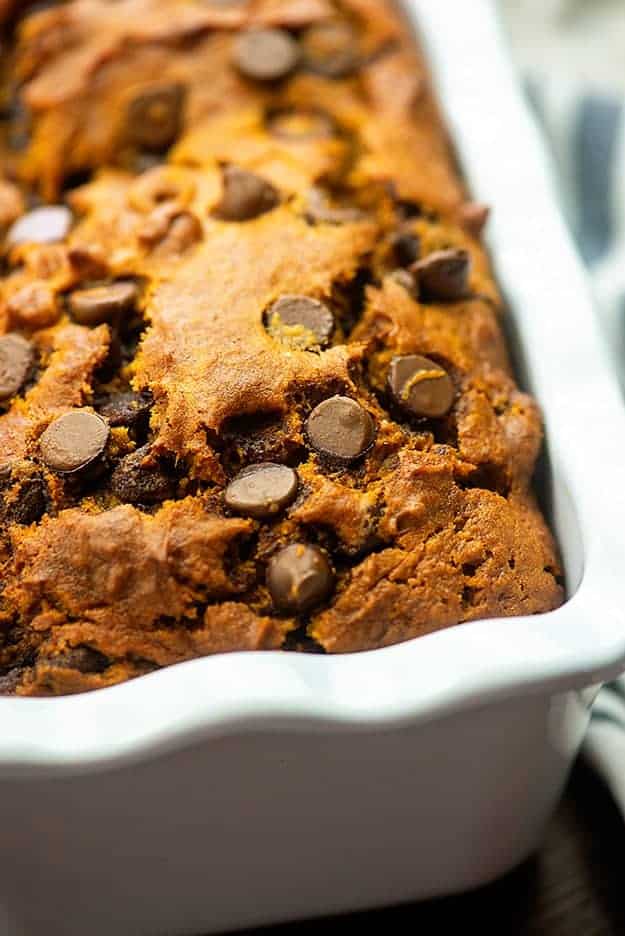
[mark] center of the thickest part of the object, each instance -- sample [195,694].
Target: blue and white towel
[585,131]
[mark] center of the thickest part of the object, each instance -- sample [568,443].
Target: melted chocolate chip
[420,386]
[300,322]
[83,659]
[19,120]
[154,117]
[10,680]
[29,505]
[74,441]
[17,357]
[127,409]
[32,503]
[262,490]
[112,363]
[297,126]
[340,428]
[184,231]
[41,226]
[299,577]
[320,211]
[443,275]
[99,304]
[331,49]
[265,54]
[405,207]
[136,482]
[245,195]
[405,248]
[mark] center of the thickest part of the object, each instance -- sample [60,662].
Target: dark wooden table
[574,887]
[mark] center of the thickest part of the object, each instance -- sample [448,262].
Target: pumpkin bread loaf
[254,392]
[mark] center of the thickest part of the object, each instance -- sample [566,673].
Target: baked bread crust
[277,247]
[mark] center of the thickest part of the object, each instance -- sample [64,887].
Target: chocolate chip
[420,386]
[245,195]
[297,126]
[17,357]
[300,322]
[154,117]
[340,428]
[299,577]
[473,217]
[331,49]
[74,441]
[405,248]
[41,226]
[136,481]
[29,503]
[262,490]
[128,409]
[98,304]
[443,274]
[265,54]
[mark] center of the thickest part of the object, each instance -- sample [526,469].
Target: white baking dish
[250,788]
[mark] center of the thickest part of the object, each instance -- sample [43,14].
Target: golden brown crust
[139,562]
[457,555]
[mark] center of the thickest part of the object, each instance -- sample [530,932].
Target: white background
[579,39]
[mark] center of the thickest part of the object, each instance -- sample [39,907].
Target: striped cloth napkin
[586,134]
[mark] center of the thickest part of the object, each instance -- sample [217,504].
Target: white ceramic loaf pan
[250,788]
